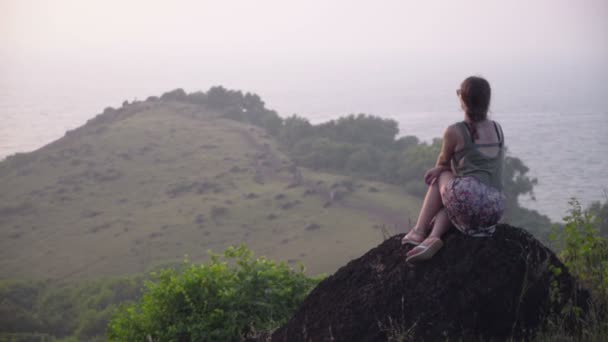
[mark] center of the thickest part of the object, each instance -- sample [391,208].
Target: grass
[126,195]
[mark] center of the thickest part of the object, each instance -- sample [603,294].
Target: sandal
[413,237]
[425,250]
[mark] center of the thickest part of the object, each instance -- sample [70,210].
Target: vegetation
[183,173]
[78,310]
[230,297]
[600,212]
[584,251]
[368,147]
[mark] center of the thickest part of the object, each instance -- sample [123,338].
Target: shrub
[583,250]
[585,253]
[228,298]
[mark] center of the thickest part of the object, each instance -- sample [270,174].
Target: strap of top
[467,132]
[501,137]
[468,140]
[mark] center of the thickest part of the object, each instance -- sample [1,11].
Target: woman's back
[479,152]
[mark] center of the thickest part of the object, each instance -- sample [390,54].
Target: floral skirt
[473,207]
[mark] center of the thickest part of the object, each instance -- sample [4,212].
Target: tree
[322,153]
[295,128]
[361,129]
[363,160]
[175,95]
[198,97]
[273,123]
[516,181]
[415,160]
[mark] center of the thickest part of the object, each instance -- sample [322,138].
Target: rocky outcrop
[501,287]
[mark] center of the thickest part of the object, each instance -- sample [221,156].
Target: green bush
[232,296]
[583,250]
[585,253]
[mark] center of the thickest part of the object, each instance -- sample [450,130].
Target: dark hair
[476,93]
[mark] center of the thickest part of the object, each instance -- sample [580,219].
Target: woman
[465,187]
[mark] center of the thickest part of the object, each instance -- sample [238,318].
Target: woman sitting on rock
[465,187]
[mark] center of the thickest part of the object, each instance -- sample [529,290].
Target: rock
[251,195]
[185,187]
[313,226]
[495,288]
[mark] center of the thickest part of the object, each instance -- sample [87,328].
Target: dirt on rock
[493,288]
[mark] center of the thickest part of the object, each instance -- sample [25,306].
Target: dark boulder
[493,288]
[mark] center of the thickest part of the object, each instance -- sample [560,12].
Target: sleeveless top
[488,170]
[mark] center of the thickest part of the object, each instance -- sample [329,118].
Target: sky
[294,48]
[297,38]
[62,61]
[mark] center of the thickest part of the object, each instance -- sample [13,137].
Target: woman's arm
[445,156]
[447,149]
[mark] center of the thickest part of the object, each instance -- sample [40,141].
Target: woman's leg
[442,222]
[440,226]
[431,205]
[432,201]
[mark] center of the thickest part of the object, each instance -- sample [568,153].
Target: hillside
[154,181]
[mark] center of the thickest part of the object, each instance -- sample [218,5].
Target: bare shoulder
[453,137]
[452,132]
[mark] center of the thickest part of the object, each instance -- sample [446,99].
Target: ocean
[564,141]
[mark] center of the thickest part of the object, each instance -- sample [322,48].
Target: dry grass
[124,196]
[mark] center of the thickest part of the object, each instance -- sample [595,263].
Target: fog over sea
[559,130]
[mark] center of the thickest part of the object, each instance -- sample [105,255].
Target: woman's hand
[430,177]
[450,140]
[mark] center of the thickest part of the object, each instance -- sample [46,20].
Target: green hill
[154,181]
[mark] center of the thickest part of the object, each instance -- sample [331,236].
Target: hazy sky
[61,61]
[283,44]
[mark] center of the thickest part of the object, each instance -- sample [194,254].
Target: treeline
[231,104]
[45,310]
[360,145]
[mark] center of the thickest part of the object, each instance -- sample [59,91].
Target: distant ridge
[150,182]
